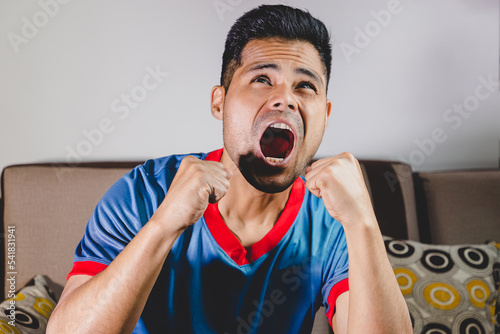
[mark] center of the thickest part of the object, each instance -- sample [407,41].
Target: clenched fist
[196,184]
[339,182]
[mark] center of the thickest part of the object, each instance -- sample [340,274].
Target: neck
[248,212]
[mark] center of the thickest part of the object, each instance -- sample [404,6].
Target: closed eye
[307,85]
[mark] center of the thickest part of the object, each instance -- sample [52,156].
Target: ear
[328,111]
[217,101]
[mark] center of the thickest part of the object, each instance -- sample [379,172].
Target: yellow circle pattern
[18,297]
[479,293]
[442,296]
[5,328]
[44,307]
[406,280]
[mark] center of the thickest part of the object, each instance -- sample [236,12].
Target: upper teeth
[281,126]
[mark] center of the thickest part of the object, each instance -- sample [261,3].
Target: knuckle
[322,182]
[186,163]
[349,156]
[187,159]
[203,193]
[345,155]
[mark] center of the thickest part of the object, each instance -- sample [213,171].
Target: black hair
[269,21]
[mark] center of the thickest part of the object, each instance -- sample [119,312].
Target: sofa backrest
[458,207]
[47,208]
[392,192]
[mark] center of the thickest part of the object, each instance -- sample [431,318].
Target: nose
[282,98]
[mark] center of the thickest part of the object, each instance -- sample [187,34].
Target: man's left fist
[339,182]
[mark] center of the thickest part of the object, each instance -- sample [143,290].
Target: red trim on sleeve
[335,292]
[228,241]
[90,268]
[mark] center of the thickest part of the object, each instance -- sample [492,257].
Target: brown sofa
[49,205]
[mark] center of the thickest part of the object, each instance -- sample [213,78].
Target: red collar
[228,241]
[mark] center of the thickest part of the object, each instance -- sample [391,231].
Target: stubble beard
[266,178]
[261,175]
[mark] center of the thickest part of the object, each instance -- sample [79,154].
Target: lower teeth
[274,159]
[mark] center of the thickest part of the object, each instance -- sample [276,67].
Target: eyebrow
[262,66]
[309,74]
[299,70]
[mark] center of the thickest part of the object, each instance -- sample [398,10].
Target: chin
[271,188]
[266,178]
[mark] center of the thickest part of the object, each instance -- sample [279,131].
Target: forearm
[376,304]
[113,300]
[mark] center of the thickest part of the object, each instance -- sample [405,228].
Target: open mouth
[277,142]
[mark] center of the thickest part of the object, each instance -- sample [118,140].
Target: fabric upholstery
[392,191]
[50,206]
[448,289]
[29,310]
[453,202]
[321,325]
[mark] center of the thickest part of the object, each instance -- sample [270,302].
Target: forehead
[269,50]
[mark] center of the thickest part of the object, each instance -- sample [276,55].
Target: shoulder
[146,183]
[156,167]
[159,171]
[134,197]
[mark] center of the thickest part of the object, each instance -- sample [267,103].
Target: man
[234,241]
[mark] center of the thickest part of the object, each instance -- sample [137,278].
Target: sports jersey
[209,282]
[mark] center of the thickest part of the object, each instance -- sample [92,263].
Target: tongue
[275,143]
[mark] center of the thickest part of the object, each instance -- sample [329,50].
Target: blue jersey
[209,282]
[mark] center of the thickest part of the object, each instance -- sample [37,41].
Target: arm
[374,303]
[113,300]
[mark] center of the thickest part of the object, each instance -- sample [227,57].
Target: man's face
[274,112]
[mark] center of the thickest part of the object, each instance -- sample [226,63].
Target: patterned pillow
[29,311]
[448,289]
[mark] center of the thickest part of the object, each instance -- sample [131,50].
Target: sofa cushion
[29,309]
[451,289]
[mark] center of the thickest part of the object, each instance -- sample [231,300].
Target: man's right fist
[197,183]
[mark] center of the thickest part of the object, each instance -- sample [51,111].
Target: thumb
[311,186]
